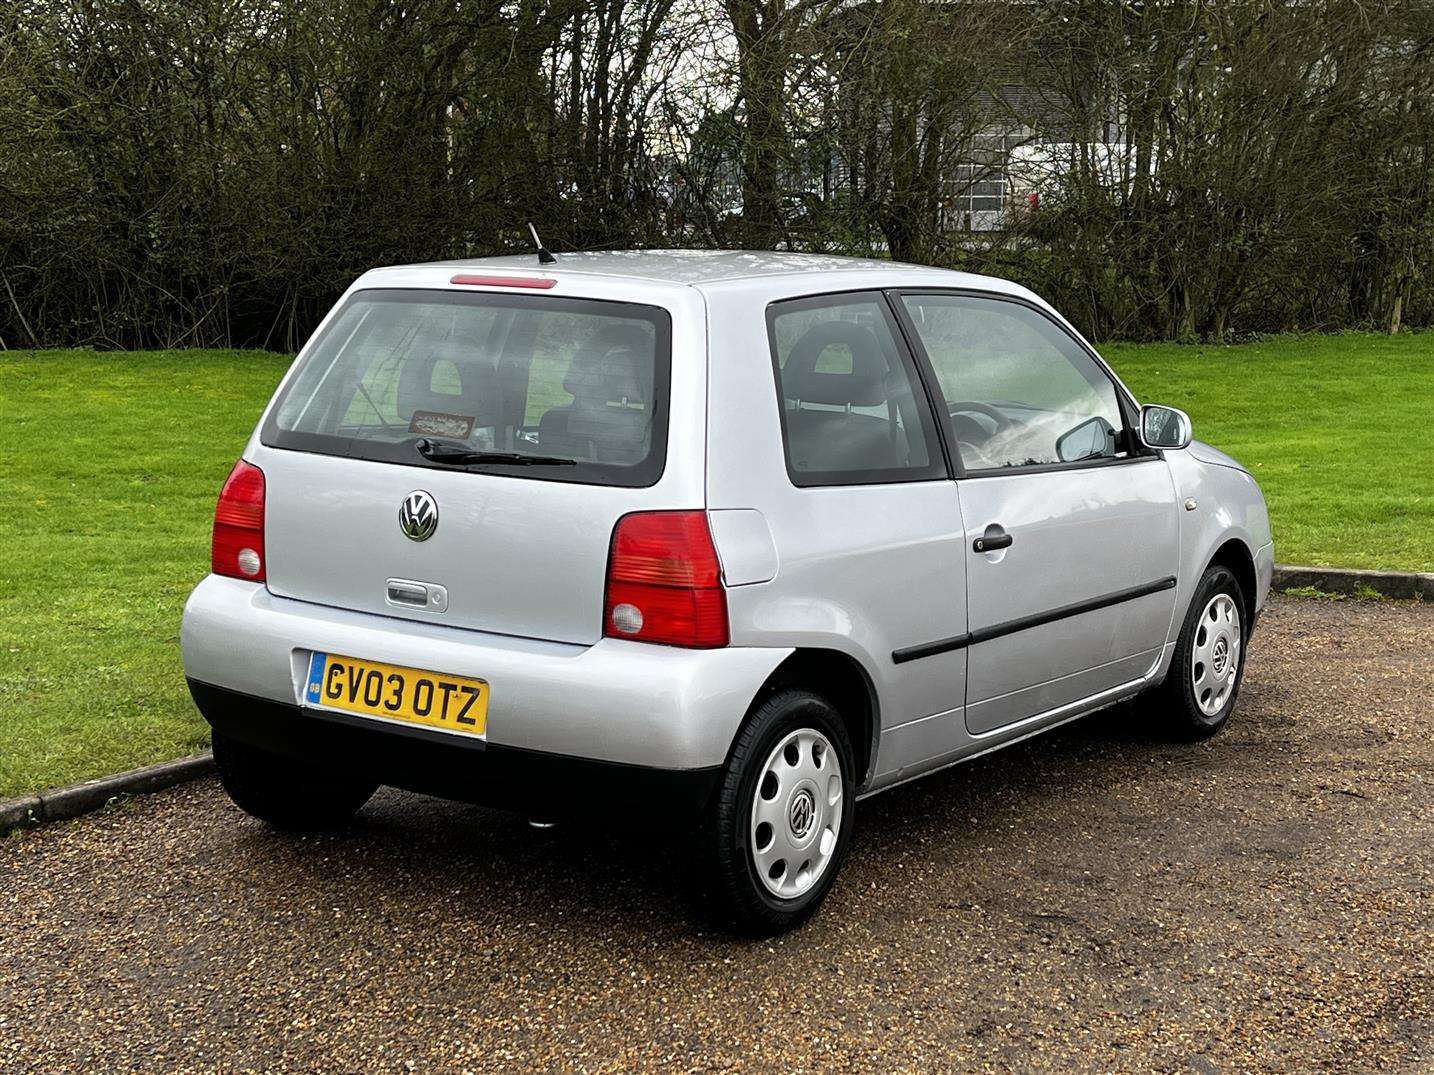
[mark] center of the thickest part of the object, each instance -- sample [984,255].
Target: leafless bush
[177,172]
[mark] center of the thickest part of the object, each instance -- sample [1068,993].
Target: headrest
[616,364]
[862,387]
[477,383]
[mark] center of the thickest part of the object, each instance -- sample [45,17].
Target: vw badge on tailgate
[418,515]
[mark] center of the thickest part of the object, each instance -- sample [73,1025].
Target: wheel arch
[841,678]
[1236,555]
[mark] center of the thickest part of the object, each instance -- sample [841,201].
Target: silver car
[727,540]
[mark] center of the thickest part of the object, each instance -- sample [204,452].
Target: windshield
[564,389]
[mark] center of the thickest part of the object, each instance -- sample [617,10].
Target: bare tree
[177,172]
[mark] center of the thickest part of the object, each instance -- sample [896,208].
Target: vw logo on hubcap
[1221,652]
[801,813]
[418,515]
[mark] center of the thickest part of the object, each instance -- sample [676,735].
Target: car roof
[703,267]
[641,275]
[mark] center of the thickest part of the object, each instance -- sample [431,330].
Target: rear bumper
[467,769]
[615,701]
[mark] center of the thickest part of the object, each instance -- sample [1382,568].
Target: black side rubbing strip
[1025,623]
[929,649]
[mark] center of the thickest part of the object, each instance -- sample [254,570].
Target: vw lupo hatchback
[731,539]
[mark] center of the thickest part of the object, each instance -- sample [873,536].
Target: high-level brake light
[540,283]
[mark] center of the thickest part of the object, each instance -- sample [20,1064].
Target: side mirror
[1164,427]
[1092,439]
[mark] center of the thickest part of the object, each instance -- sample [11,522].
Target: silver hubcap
[1215,657]
[796,813]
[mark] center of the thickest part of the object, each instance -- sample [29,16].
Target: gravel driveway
[1095,900]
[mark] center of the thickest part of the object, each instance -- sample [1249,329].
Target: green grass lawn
[110,463]
[1339,431]
[109,467]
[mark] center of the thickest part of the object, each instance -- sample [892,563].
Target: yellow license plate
[456,703]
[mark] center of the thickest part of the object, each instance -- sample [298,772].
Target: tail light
[664,583]
[238,546]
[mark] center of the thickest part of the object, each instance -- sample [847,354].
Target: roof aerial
[544,257]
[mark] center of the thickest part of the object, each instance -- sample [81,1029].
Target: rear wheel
[780,822]
[287,794]
[1203,683]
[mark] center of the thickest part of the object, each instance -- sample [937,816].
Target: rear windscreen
[533,386]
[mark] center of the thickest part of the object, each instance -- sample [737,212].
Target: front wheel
[780,822]
[1203,683]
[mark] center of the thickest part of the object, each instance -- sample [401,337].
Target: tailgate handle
[410,594]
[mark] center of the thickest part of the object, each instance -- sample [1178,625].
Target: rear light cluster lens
[664,583]
[238,546]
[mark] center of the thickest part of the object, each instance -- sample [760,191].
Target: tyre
[287,794]
[1203,683]
[780,820]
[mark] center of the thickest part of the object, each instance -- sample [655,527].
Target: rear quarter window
[567,389]
[853,411]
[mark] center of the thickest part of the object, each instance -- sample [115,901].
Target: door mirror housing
[1164,427]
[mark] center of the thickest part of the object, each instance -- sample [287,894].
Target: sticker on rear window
[438,424]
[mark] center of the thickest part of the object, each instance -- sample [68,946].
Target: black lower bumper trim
[537,783]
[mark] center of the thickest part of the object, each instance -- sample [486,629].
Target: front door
[1071,539]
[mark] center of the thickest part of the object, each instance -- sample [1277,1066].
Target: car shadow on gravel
[406,849]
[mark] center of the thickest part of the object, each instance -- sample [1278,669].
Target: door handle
[994,538]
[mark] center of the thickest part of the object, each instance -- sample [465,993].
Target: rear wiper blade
[461,456]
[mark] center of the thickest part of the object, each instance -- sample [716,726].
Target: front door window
[1020,392]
